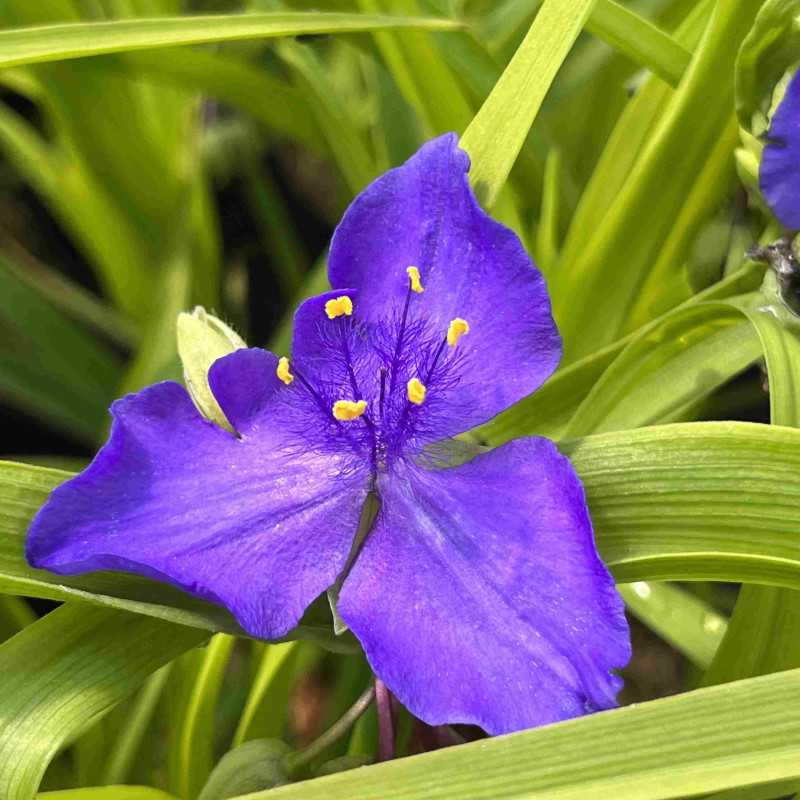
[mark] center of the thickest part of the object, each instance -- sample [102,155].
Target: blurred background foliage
[134,185]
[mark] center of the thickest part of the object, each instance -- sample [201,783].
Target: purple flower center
[380,386]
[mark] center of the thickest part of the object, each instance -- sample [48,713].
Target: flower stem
[383,700]
[339,728]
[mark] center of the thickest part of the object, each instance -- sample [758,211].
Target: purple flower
[779,175]
[478,595]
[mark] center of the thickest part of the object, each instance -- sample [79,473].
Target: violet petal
[479,596]
[425,214]
[261,524]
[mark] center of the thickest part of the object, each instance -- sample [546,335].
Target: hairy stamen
[351,374]
[325,408]
[310,389]
[413,273]
[382,392]
[435,360]
[399,346]
[348,360]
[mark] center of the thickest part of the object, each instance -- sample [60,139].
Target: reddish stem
[383,704]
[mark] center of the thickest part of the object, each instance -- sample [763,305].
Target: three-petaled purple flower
[779,175]
[478,595]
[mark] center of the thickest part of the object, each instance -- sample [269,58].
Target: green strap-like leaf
[65,670]
[769,49]
[274,658]
[107,793]
[84,206]
[273,102]
[764,635]
[122,755]
[101,176]
[740,734]
[666,367]
[640,39]
[421,72]
[157,356]
[196,742]
[712,187]
[497,133]
[547,231]
[15,614]
[78,40]
[695,501]
[50,367]
[779,332]
[75,301]
[601,282]
[785,790]
[631,133]
[618,25]
[345,141]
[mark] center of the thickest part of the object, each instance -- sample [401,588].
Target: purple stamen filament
[399,346]
[354,384]
[383,392]
[436,356]
[322,406]
[404,416]
[346,350]
[309,388]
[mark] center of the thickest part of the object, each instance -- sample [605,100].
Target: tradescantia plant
[400,535]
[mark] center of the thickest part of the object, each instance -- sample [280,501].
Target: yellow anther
[413,276]
[348,410]
[416,391]
[458,327]
[339,306]
[283,370]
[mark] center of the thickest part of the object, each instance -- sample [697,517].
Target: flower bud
[251,767]
[202,339]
